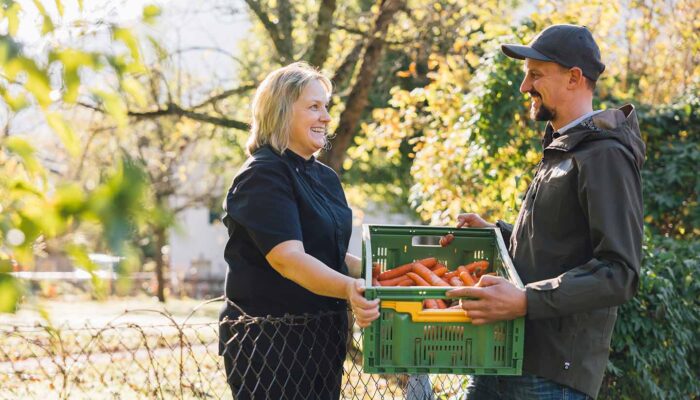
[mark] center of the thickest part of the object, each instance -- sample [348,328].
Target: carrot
[428,262]
[446,240]
[396,272]
[441,304]
[430,304]
[467,279]
[406,282]
[376,270]
[450,274]
[417,279]
[440,271]
[455,281]
[482,265]
[394,281]
[429,275]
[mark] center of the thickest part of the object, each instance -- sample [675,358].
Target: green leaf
[114,106]
[26,152]
[135,90]
[37,79]
[70,199]
[9,293]
[125,36]
[65,132]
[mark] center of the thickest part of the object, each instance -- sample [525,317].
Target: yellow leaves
[25,151]
[37,81]
[135,90]
[12,15]
[65,132]
[150,13]
[125,36]
[114,106]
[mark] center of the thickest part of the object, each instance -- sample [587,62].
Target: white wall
[195,238]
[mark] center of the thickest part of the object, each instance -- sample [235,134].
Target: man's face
[546,84]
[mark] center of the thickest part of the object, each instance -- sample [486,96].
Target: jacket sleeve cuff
[540,303]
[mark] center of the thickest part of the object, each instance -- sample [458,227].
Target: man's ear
[576,78]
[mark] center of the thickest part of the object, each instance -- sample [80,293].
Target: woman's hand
[365,310]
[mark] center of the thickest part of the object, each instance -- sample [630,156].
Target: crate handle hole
[425,241]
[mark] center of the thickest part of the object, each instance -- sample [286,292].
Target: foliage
[34,207]
[655,351]
[671,179]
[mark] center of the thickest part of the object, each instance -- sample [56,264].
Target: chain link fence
[290,357]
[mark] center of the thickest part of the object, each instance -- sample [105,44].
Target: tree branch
[273,30]
[225,94]
[174,109]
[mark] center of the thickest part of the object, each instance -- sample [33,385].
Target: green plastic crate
[395,343]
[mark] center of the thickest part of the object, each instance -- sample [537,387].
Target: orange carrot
[446,240]
[417,279]
[429,276]
[406,282]
[467,279]
[482,265]
[396,272]
[394,281]
[428,262]
[440,271]
[376,270]
[455,281]
[441,304]
[430,304]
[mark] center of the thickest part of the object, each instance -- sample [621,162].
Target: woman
[289,228]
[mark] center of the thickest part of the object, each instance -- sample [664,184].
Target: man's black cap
[567,45]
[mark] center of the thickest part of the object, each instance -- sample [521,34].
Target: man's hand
[496,299]
[365,310]
[472,220]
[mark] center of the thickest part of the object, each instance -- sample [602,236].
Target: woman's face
[310,120]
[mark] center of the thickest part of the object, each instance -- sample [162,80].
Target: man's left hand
[492,299]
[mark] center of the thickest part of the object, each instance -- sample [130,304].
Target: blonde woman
[289,227]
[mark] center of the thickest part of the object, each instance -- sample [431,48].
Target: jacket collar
[299,161]
[607,120]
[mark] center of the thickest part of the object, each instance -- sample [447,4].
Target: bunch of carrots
[429,272]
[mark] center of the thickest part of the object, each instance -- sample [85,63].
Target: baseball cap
[567,45]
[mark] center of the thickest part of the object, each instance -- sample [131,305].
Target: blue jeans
[526,387]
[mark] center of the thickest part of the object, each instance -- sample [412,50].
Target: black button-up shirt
[275,198]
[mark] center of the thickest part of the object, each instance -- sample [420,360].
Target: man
[577,241]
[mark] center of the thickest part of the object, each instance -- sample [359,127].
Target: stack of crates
[408,339]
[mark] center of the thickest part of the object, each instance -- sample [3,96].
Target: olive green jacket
[577,246]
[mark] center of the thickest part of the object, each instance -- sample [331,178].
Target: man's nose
[525,86]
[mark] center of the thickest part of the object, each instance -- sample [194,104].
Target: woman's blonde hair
[272,104]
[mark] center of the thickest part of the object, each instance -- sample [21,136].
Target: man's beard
[543,113]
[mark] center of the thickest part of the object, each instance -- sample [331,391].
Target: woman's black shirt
[275,198]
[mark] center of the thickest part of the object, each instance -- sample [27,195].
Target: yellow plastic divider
[418,314]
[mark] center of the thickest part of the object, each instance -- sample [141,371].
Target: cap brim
[522,52]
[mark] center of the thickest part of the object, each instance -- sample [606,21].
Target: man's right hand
[472,220]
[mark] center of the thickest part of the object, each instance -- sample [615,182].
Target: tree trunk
[358,98]
[161,238]
[324,25]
